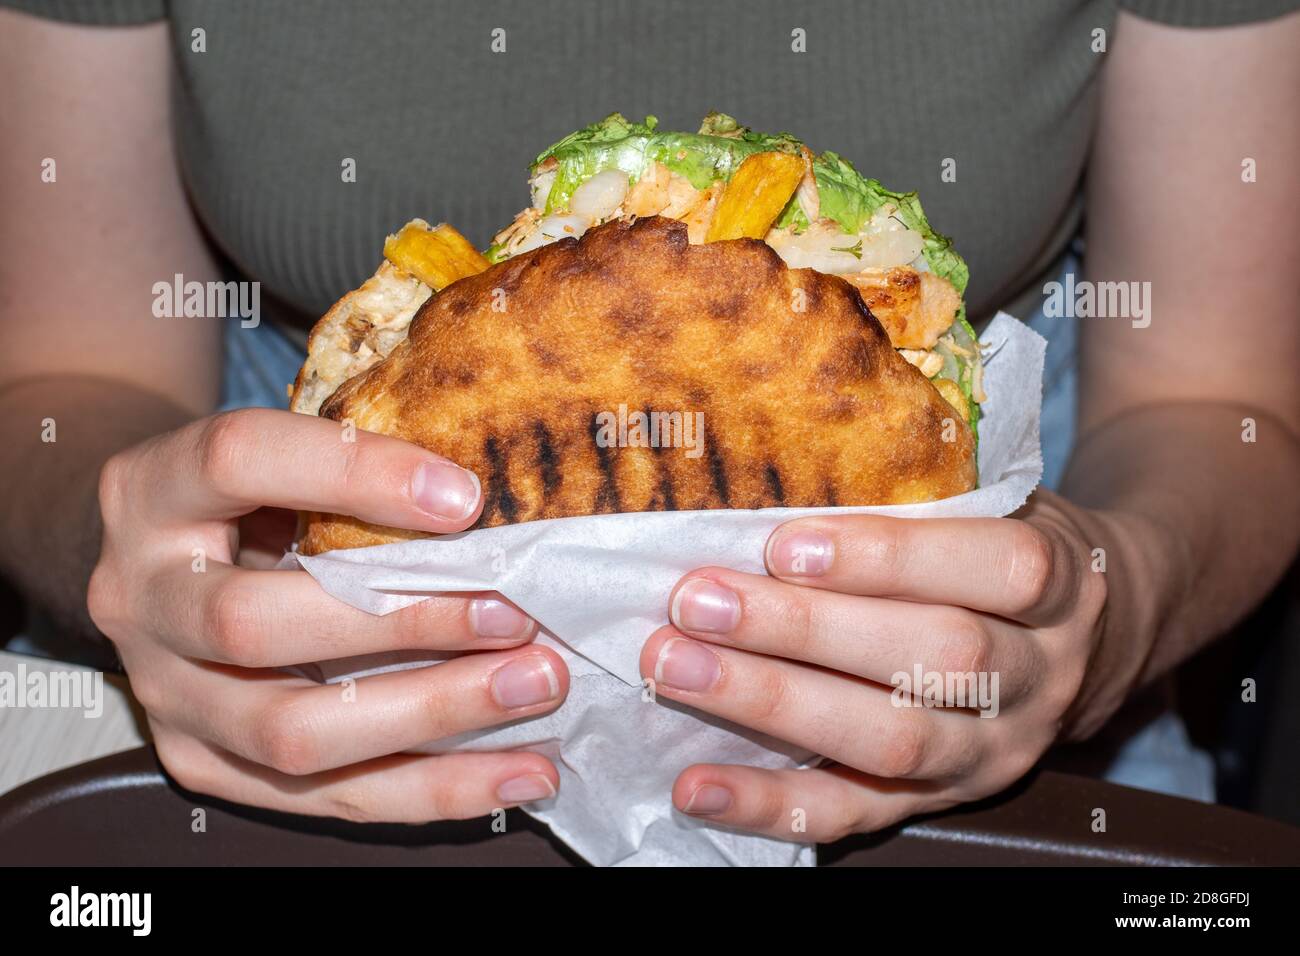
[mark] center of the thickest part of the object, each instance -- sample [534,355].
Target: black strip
[829,499]
[499,496]
[774,483]
[547,461]
[665,476]
[607,499]
[719,469]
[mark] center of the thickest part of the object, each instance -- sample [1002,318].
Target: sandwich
[678,321]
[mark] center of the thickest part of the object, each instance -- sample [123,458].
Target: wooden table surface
[35,741]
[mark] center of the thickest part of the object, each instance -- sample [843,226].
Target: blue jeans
[258,365]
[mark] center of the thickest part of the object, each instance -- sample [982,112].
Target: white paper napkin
[599,586]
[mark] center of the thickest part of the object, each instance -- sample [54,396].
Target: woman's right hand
[201,637]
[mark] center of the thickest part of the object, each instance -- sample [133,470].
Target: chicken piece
[914,307]
[927,361]
[662,192]
[682,197]
[698,219]
[649,194]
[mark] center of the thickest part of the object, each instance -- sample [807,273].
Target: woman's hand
[201,636]
[855,606]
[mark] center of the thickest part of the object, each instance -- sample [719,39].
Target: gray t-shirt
[277,96]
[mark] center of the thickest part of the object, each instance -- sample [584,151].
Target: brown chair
[122,810]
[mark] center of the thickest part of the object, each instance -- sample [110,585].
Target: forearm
[1202,522]
[49,516]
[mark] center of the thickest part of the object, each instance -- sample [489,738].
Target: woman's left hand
[855,607]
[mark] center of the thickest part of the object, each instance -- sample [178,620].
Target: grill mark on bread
[499,497]
[828,493]
[547,461]
[718,471]
[665,489]
[607,497]
[773,478]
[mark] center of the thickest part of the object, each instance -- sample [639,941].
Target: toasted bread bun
[513,373]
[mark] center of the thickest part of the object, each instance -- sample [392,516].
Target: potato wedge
[755,196]
[436,255]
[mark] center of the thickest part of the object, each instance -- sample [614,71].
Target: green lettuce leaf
[851,199]
[966,337]
[617,143]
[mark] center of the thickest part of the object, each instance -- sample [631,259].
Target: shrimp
[883,244]
[600,196]
[548,230]
[822,246]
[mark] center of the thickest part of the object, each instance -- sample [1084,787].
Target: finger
[849,720]
[998,565]
[396,789]
[298,727]
[876,638]
[275,618]
[229,464]
[805,806]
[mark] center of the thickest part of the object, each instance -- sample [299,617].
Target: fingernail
[526,789]
[805,554]
[687,665]
[491,618]
[708,800]
[445,490]
[704,606]
[525,682]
